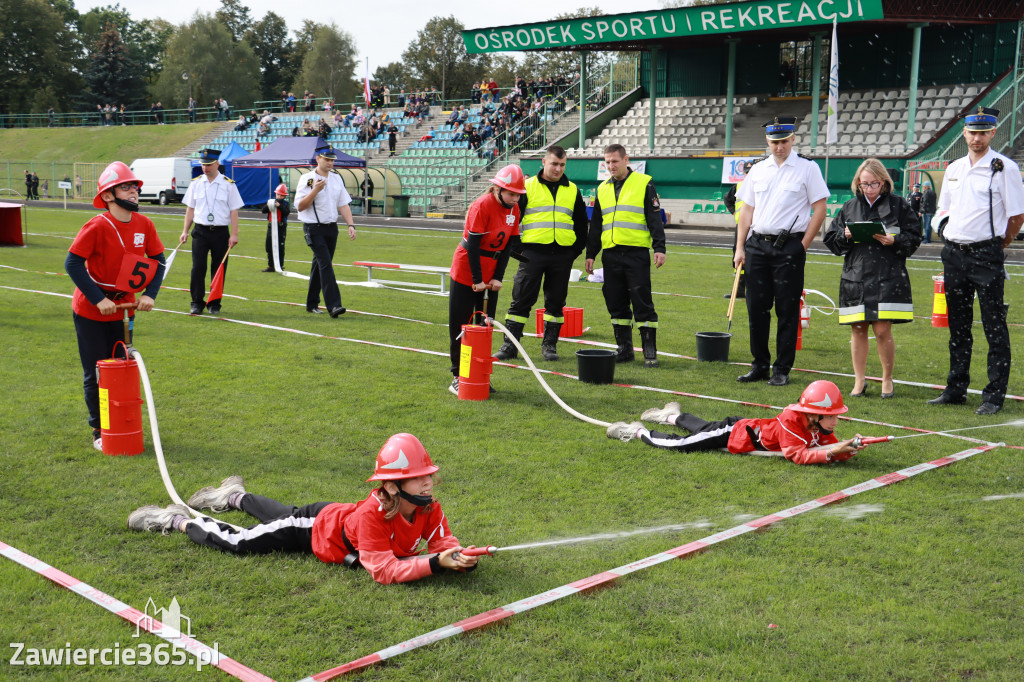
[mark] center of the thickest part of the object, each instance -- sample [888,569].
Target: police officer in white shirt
[984,197]
[213,202]
[320,198]
[776,226]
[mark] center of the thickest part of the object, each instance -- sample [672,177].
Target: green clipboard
[863,232]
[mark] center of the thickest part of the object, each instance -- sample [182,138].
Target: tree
[144,40]
[328,67]
[40,53]
[269,40]
[504,68]
[235,16]
[395,76]
[217,66]
[438,57]
[555,63]
[112,77]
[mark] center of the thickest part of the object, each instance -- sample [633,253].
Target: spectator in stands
[324,130]
[160,113]
[487,130]
[216,107]
[875,287]
[493,88]
[307,128]
[392,138]
[191,110]
[99,114]
[387,96]
[521,86]
[474,94]
[339,118]
[50,115]
[328,105]
[453,118]
[264,129]
[928,202]
[254,118]
[485,91]
[123,115]
[291,102]
[785,79]
[223,105]
[241,124]
[284,101]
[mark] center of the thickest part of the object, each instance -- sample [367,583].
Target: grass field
[924,584]
[98,144]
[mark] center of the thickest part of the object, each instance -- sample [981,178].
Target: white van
[163,180]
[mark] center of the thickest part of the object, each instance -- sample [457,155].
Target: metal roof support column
[730,93]
[1016,86]
[583,100]
[815,88]
[654,97]
[915,63]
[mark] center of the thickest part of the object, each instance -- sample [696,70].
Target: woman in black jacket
[875,286]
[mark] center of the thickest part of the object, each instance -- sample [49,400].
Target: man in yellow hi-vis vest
[626,224]
[554,233]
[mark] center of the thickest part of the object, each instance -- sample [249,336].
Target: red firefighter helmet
[282,189]
[403,456]
[511,178]
[821,397]
[113,175]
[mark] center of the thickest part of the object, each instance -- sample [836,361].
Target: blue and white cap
[780,128]
[981,119]
[208,156]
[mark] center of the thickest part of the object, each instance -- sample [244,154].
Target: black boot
[624,340]
[547,345]
[508,350]
[649,341]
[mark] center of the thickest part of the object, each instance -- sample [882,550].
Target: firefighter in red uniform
[382,533]
[114,256]
[479,263]
[803,432]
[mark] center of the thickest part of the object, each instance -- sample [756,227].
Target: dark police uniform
[627,227]
[213,203]
[553,231]
[980,199]
[781,196]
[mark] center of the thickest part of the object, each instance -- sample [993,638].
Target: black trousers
[703,435]
[966,272]
[209,243]
[96,342]
[627,281]
[462,303]
[322,238]
[282,232]
[775,278]
[281,528]
[548,265]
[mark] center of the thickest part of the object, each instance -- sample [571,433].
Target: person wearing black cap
[320,198]
[984,198]
[734,207]
[783,208]
[213,202]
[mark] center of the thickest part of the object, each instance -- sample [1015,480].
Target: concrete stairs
[188,150]
[748,133]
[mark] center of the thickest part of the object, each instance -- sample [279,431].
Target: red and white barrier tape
[594,581]
[142,620]
[524,367]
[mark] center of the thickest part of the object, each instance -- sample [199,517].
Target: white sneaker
[153,518]
[663,415]
[216,499]
[454,387]
[97,441]
[623,431]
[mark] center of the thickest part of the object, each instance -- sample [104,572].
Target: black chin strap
[127,205]
[418,500]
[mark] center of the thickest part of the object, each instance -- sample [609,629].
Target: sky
[382,30]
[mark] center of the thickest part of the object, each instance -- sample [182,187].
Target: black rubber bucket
[596,365]
[713,346]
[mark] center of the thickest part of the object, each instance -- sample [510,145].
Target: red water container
[120,407]
[475,362]
[573,325]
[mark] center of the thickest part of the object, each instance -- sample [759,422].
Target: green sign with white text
[670,23]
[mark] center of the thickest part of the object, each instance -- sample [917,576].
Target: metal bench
[417,269]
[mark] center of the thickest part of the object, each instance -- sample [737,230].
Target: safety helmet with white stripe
[403,456]
[282,190]
[511,178]
[820,397]
[113,175]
